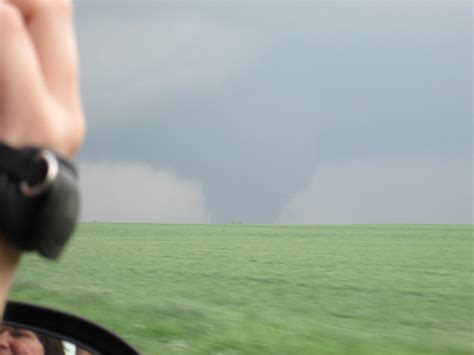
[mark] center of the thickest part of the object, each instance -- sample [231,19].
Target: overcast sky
[277,112]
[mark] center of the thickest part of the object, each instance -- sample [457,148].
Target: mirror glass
[16,340]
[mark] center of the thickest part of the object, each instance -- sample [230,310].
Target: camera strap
[39,199]
[21,166]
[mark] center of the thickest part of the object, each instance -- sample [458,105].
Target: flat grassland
[250,289]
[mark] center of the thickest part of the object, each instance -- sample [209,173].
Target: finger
[51,29]
[21,83]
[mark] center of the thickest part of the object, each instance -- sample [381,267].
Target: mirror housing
[66,327]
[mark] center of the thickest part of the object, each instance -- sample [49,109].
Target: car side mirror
[57,332]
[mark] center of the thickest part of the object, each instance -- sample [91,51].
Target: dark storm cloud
[248,98]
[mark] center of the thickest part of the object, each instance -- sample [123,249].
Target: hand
[39,91]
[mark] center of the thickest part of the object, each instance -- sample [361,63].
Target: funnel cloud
[261,107]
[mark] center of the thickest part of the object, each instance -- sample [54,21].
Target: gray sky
[277,112]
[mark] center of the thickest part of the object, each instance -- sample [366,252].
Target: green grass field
[243,289]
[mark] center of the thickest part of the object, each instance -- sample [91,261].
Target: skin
[39,92]
[18,341]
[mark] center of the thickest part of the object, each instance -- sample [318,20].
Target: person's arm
[9,258]
[39,95]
